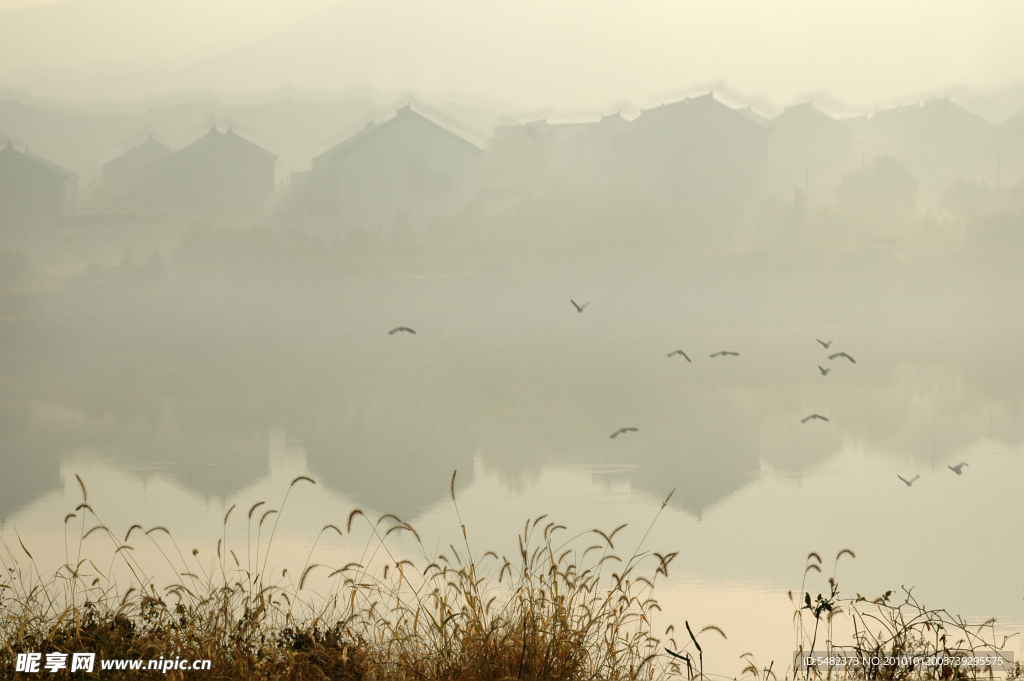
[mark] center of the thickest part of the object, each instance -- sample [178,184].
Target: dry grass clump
[894,639]
[562,610]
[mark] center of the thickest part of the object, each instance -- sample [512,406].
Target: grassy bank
[567,608]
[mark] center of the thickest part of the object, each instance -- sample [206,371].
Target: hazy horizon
[573,59]
[373,243]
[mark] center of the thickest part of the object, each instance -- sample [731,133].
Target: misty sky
[571,55]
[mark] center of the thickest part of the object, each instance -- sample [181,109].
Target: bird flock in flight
[958,469]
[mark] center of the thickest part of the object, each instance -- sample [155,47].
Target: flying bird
[823,343]
[725,353]
[579,308]
[958,469]
[620,431]
[678,352]
[401,328]
[843,354]
[906,482]
[813,416]
[823,370]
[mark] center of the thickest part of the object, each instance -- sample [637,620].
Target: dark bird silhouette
[401,328]
[958,469]
[620,431]
[906,482]
[579,308]
[823,343]
[725,353]
[679,352]
[843,354]
[823,370]
[813,416]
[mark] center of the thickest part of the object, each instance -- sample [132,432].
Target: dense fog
[206,240]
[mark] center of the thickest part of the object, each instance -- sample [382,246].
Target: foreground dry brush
[563,609]
[895,637]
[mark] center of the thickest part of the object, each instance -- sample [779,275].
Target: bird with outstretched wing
[843,354]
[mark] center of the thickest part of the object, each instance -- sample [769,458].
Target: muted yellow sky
[18,4]
[568,54]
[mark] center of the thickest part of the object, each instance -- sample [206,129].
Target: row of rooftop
[408,168]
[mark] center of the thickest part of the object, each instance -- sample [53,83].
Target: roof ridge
[52,167]
[404,113]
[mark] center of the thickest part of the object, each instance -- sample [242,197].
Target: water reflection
[165,398]
[187,388]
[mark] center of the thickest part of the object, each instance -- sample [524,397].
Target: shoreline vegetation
[567,608]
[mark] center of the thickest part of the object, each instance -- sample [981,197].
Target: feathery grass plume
[313,548]
[85,494]
[665,503]
[305,573]
[248,534]
[93,529]
[712,627]
[351,516]
[558,611]
[254,507]
[607,539]
[278,518]
[384,517]
[130,529]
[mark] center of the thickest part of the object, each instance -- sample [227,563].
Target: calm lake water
[175,403]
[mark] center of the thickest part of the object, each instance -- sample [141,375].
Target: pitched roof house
[32,189]
[395,174]
[710,158]
[122,175]
[220,176]
[939,140]
[810,151]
